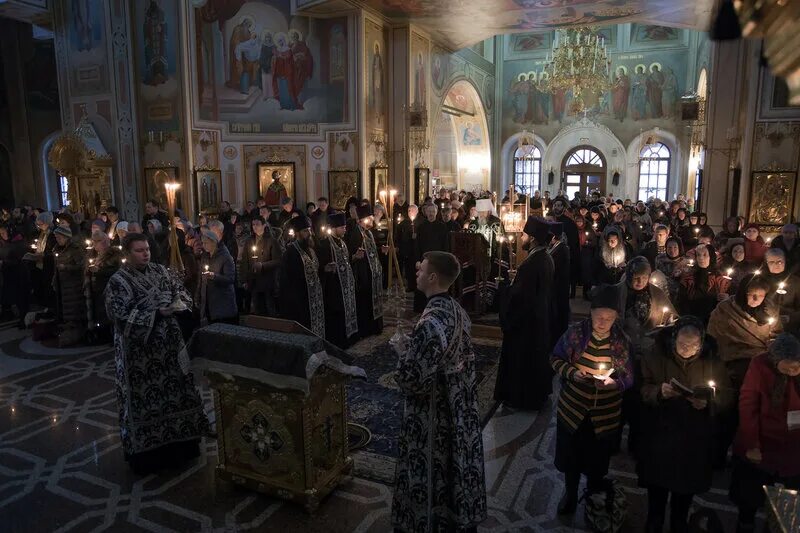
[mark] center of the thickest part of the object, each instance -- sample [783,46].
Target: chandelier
[579,64]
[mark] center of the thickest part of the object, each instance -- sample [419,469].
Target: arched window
[63,191]
[585,156]
[654,162]
[528,169]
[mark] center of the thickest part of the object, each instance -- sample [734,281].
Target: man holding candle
[261,259]
[677,437]
[338,284]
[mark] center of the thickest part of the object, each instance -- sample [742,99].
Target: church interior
[205,108]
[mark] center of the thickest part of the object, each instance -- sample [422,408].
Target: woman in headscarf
[588,242]
[768,439]
[597,221]
[592,359]
[730,230]
[754,247]
[673,264]
[612,256]
[677,438]
[690,233]
[733,264]
[680,220]
[702,287]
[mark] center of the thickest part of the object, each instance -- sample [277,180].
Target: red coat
[763,426]
[754,251]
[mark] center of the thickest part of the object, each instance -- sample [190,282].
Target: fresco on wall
[88,72]
[376,41]
[643,33]
[645,92]
[262,70]
[157,60]
[419,58]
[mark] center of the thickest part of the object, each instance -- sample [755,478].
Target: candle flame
[770,321]
[712,384]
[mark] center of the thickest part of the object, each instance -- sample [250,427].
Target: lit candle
[713,388]
[329,231]
[56,254]
[602,375]
[781,288]
[594,225]
[757,272]
[91,262]
[769,239]
[124,260]
[664,311]
[33,246]
[88,244]
[696,231]
[291,233]
[206,268]
[254,253]
[771,321]
[587,233]
[119,247]
[728,274]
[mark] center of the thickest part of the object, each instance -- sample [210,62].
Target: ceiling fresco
[461,23]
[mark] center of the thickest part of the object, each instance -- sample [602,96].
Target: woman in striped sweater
[592,359]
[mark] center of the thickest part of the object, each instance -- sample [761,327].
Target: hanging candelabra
[579,63]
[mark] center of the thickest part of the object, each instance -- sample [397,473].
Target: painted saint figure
[276,190]
[419,81]
[249,53]
[519,98]
[303,65]
[669,93]
[655,82]
[265,60]
[639,94]
[621,93]
[241,33]
[155,43]
[283,78]
[376,85]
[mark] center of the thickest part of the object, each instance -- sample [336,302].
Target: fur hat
[299,223]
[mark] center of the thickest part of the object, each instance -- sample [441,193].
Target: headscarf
[684,322]
[638,302]
[785,346]
[759,314]
[701,274]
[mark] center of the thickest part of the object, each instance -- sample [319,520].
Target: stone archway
[460,148]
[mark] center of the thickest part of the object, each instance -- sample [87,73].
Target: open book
[701,392]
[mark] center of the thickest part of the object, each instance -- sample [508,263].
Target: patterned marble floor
[61,466]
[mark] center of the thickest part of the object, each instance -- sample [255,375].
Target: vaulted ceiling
[461,23]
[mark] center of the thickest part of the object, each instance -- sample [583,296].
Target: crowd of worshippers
[685,325]
[691,343]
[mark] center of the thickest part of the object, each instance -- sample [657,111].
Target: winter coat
[218,295]
[763,425]
[68,282]
[754,251]
[640,342]
[696,300]
[268,253]
[677,439]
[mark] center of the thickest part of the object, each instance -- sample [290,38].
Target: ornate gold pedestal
[282,442]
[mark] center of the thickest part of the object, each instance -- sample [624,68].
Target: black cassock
[407,248]
[525,378]
[369,280]
[338,290]
[571,231]
[300,289]
[559,320]
[431,237]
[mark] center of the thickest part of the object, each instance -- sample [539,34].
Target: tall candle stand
[396,294]
[175,260]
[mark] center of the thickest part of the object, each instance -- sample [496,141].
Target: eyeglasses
[775,262]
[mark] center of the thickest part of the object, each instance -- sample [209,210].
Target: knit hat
[45,217]
[785,346]
[100,224]
[211,236]
[336,220]
[299,223]
[537,228]
[363,211]
[61,230]
[122,226]
[605,297]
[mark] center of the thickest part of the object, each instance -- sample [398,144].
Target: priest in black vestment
[559,213]
[338,284]
[525,378]
[560,253]
[432,236]
[367,272]
[300,288]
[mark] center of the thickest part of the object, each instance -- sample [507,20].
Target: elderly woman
[103,262]
[672,264]
[789,242]
[732,264]
[768,439]
[68,285]
[785,287]
[217,295]
[592,359]
[677,437]
[702,287]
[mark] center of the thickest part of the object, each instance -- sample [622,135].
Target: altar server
[439,481]
[161,414]
[524,378]
[338,284]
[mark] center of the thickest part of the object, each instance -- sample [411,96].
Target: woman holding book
[684,385]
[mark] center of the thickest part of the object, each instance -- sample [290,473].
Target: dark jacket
[677,439]
[268,253]
[218,295]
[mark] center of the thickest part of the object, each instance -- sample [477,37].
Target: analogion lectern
[280,405]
